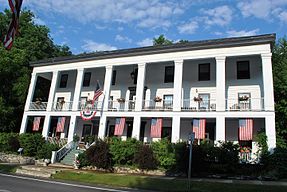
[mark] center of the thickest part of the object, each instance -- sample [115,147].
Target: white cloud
[122,38]
[39,21]
[143,13]
[234,33]
[145,42]
[221,15]
[283,16]
[92,46]
[188,28]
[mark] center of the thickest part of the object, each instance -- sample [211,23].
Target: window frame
[64,80]
[203,76]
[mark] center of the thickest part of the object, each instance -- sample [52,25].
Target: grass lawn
[8,168]
[143,182]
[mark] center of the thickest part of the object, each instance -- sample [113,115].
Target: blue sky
[97,25]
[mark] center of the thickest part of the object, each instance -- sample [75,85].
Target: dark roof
[192,45]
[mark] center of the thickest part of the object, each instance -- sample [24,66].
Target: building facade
[221,80]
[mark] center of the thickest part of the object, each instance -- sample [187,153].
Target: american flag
[156,126]
[245,129]
[61,124]
[36,123]
[199,128]
[120,125]
[97,92]
[15,6]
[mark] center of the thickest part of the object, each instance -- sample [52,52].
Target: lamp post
[190,141]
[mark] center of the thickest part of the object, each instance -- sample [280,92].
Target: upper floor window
[114,77]
[167,101]
[243,70]
[169,74]
[64,80]
[87,79]
[204,72]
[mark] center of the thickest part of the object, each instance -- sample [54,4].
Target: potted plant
[243,98]
[121,100]
[198,99]
[157,99]
[38,101]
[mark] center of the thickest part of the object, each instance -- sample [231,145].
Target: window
[205,103]
[114,77]
[136,76]
[87,79]
[167,101]
[243,70]
[169,74]
[64,80]
[204,72]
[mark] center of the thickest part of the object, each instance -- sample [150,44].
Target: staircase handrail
[64,150]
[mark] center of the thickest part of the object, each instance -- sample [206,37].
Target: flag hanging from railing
[156,127]
[36,123]
[120,126]
[245,129]
[199,128]
[61,124]
[97,92]
[15,6]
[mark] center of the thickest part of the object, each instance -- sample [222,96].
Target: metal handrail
[160,105]
[64,150]
[201,105]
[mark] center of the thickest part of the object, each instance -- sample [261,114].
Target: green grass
[143,182]
[8,168]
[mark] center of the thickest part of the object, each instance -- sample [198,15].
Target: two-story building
[220,80]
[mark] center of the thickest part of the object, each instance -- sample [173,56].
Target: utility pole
[190,141]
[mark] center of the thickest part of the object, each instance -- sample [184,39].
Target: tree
[32,43]
[161,40]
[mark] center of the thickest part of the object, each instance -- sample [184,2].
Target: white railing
[128,105]
[163,105]
[58,155]
[38,106]
[62,106]
[201,105]
[250,104]
[98,105]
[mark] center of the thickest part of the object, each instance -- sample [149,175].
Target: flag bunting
[120,126]
[199,128]
[156,127]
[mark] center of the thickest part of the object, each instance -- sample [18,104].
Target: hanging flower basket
[243,98]
[121,100]
[197,99]
[157,99]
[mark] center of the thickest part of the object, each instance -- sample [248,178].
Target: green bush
[181,151]
[123,152]
[99,155]
[164,153]
[89,139]
[9,142]
[229,153]
[45,151]
[277,163]
[145,158]
[83,160]
[31,143]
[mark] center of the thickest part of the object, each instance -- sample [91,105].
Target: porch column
[267,82]
[140,86]
[24,123]
[52,90]
[46,126]
[72,127]
[270,132]
[107,86]
[175,131]
[220,129]
[31,91]
[220,83]
[177,90]
[78,87]
[136,127]
[102,126]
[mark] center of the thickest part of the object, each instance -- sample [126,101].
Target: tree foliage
[161,40]
[32,43]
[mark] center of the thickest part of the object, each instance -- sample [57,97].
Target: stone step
[60,165]
[40,169]
[33,173]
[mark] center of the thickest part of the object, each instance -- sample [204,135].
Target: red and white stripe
[245,129]
[97,92]
[36,123]
[199,128]
[120,126]
[61,124]
[156,127]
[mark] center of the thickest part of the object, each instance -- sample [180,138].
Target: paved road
[12,183]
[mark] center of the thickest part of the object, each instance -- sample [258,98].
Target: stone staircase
[36,171]
[70,157]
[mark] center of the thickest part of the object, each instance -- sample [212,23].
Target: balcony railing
[38,106]
[163,105]
[97,106]
[62,106]
[128,105]
[202,105]
[250,104]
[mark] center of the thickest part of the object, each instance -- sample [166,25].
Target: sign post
[190,141]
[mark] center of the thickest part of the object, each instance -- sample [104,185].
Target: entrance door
[142,130]
[129,129]
[87,129]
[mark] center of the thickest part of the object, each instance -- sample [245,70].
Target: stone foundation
[16,159]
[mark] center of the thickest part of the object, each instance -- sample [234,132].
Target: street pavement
[14,183]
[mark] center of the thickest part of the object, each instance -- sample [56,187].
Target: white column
[24,123]
[46,126]
[177,89]
[220,83]
[270,132]
[77,92]
[52,90]
[267,82]
[102,127]
[72,127]
[31,91]
[140,86]
[175,131]
[220,129]
[107,86]
[136,127]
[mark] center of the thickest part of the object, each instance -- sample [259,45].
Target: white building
[220,71]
